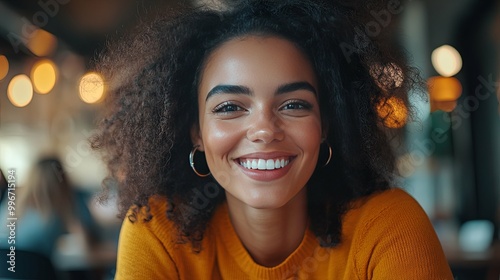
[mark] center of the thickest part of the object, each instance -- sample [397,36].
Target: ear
[196,138]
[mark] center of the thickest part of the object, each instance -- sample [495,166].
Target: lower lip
[266,175]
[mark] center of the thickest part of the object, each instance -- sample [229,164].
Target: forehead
[256,59]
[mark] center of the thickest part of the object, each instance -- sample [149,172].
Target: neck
[270,235]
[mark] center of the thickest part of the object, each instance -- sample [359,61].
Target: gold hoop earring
[329,155]
[191,162]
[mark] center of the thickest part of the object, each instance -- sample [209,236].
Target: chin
[267,199]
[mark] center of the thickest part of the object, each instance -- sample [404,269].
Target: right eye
[226,107]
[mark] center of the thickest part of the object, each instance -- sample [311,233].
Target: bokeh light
[393,112]
[4,66]
[91,88]
[446,60]
[444,93]
[42,43]
[445,106]
[387,77]
[44,76]
[444,89]
[20,90]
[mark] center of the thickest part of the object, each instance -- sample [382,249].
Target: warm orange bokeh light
[444,89]
[91,88]
[20,90]
[445,106]
[393,112]
[4,66]
[444,93]
[42,43]
[44,76]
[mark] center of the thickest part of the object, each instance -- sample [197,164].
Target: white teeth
[269,164]
[263,164]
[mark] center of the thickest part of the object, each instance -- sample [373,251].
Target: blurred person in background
[47,208]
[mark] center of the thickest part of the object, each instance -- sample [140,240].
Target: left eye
[296,105]
[293,106]
[228,108]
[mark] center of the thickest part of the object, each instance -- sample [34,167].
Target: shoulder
[150,247]
[388,201]
[391,202]
[392,210]
[390,196]
[150,221]
[390,228]
[146,242]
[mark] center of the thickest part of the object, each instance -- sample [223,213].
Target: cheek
[308,136]
[311,146]
[220,138]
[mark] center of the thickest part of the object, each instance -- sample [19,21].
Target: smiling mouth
[264,164]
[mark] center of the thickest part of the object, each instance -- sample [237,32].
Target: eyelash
[304,105]
[228,107]
[223,108]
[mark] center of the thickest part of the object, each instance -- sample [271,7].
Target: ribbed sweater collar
[234,247]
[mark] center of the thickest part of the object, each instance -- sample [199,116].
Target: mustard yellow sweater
[387,236]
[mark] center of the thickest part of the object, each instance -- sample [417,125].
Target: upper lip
[266,155]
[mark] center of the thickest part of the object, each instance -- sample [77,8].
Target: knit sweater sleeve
[398,241]
[142,254]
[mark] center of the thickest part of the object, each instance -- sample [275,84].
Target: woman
[248,146]
[46,208]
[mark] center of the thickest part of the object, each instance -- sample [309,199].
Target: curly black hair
[151,107]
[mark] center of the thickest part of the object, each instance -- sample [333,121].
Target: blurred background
[449,159]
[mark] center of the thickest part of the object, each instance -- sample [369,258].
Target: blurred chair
[28,265]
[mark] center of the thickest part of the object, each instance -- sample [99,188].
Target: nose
[265,128]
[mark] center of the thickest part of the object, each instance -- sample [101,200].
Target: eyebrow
[228,89]
[295,86]
[236,89]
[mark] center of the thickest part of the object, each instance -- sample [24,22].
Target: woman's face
[259,120]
